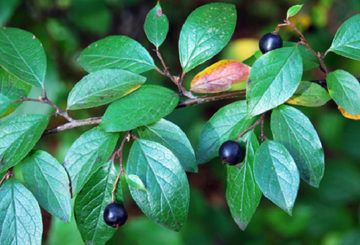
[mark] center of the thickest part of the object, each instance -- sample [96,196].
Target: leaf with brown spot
[222,76]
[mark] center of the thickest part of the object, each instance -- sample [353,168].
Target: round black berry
[231,152]
[115,214]
[270,41]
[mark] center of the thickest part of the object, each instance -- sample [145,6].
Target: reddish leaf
[221,76]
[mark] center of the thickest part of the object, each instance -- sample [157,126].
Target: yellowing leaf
[348,115]
[222,76]
[241,49]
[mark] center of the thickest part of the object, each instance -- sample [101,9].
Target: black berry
[115,214]
[231,152]
[270,41]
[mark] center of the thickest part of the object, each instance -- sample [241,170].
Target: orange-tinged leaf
[348,115]
[222,76]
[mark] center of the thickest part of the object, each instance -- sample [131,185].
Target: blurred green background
[329,215]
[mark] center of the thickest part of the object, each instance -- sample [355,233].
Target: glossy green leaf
[156,25]
[344,89]
[274,79]
[294,130]
[276,174]
[251,60]
[166,200]
[347,39]
[22,54]
[20,216]
[135,182]
[205,33]
[310,61]
[11,89]
[220,127]
[48,181]
[172,137]
[144,106]
[87,154]
[242,193]
[102,87]
[120,52]
[90,205]
[309,94]
[18,135]
[293,10]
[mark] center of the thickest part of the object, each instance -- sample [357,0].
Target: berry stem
[260,120]
[6,176]
[119,154]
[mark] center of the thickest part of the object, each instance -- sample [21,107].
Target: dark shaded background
[329,215]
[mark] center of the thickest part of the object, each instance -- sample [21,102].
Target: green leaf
[251,60]
[309,94]
[22,54]
[18,135]
[144,106]
[135,182]
[220,127]
[11,89]
[344,89]
[20,216]
[87,154]
[274,79]
[276,174]
[48,181]
[242,193]
[347,39]
[90,205]
[156,25]
[205,33]
[293,10]
[294,130]
[119,52]
[172,137]
[102,87]
[166,200]
[310,61]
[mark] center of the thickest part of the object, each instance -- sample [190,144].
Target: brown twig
[73,124]
[119,154]
[6,176]
[260,120]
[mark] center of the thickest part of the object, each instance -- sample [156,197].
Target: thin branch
[119,153]
[73,124]
[7,175]
[260,120]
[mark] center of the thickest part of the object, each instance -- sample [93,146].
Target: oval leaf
[219,129]
[274,79]
[22,54]
[90,205]
[18,135]
[120,52]
[48,181]
[102,87]
[87,154]
[221,76]
[205,33]
[135,182]
[294,130]
[276,174]
[166,200]
[348,115]
[11,89]
[20,216]
[293,10]
[347,39]
[309,94]
[144,106]
[344,89]
[172,137]
[309,59]
[156,25]
[242,193]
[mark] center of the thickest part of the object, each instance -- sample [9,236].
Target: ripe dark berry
[270,41]
[231,152]
[115,214]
